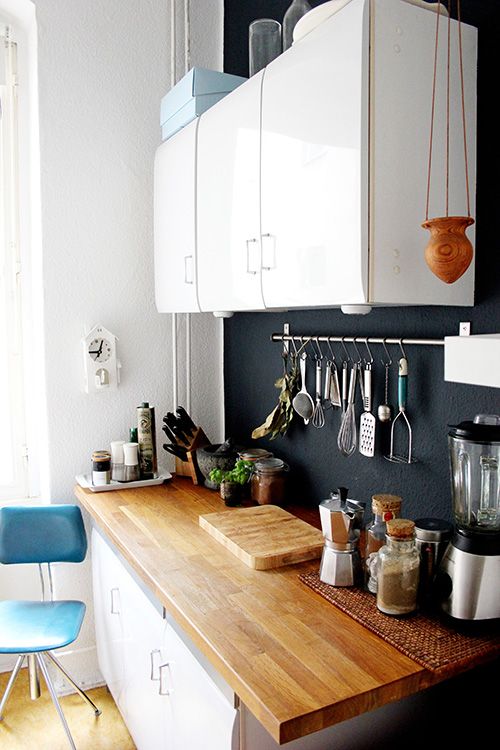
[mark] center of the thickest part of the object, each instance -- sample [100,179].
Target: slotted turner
[367,421]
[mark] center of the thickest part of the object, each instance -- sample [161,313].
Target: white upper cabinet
[228,202]
[403,46]
[175,222]
[312,175]
[315,166]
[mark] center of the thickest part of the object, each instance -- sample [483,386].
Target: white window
[13,453]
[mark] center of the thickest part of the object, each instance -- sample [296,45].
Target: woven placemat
[426,639]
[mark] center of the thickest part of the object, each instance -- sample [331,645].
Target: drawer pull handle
[188,269]
[163,690]
[155,664]
[115,608]
[253,259]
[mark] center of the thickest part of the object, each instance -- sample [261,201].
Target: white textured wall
[103,66]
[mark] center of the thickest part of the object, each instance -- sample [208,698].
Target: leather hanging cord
[463,105]
[434,79]
[447,189]
[429,167]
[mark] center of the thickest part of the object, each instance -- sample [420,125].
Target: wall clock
[101,365]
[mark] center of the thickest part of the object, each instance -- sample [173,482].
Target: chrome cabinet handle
[268,252]
[162,690]
[188,269]
[115,610]
[155,665]
[253,245]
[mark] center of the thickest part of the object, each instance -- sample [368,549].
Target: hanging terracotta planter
[449,252]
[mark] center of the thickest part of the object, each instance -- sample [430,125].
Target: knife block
[190,468]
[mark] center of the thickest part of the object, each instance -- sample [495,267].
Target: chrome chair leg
[33,677]
[10,684]
[55,700]
[80,692]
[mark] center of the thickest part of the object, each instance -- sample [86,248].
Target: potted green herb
[232,483]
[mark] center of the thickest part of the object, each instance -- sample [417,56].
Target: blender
[469,579]
[341,521]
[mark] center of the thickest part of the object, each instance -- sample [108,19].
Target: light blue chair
[33,629]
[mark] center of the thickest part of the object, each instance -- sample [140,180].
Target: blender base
[473,583]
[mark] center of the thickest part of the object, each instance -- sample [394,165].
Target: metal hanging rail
[357,339]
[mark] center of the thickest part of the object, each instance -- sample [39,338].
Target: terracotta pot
[449,252]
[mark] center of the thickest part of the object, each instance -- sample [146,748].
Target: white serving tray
[84,480]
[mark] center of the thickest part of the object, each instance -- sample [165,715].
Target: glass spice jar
[384,508]
[398,568]
[101,468]
[268,482]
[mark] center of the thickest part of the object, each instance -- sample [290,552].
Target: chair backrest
[42,534]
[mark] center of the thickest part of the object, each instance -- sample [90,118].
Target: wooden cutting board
[265,536]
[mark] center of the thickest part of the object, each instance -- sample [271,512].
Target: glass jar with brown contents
[268,482]
[398,569]
[384,508]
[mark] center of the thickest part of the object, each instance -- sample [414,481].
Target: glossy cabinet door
[202,716]
[174,222]
[315,166]
[228,204]
[147,708]
[403,60]
[108,616]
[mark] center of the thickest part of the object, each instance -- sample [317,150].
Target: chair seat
[27,626]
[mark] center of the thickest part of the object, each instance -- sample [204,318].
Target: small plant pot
[449,251]
[231,493]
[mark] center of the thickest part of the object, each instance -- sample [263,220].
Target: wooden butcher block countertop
[296,661]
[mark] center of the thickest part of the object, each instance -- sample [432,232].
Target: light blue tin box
[199,90]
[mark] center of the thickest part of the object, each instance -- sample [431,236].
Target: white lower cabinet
[167,699]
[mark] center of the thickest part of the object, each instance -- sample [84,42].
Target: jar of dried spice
[384,507]
[398,569]
[268,481]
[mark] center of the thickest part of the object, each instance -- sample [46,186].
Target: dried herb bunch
[279,420]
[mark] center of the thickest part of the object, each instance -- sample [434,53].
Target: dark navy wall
[252,362]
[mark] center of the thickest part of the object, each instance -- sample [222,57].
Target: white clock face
[100,349]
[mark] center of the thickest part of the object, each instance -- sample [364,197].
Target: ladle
[302,402]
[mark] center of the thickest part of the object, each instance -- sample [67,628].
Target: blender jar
[474,458]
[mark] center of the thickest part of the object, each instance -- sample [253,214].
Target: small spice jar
[268,482]
[384,508]
[398,569]
[101,468]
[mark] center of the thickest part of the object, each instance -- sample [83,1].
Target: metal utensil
[318,418]
[302,402]
[402,396]
[347,437]
[345,378]
[384,411]
[367,421]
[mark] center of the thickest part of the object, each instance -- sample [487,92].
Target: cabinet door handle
[115,610]
[163,690]
[155,664]
[268,252]
[253,264]
[188,269]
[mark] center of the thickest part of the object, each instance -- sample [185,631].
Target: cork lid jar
[382,504]
[401,528]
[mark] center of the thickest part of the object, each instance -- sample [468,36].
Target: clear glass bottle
[398,568]
[264,43]
[268,482]
[295,11]
[384,508]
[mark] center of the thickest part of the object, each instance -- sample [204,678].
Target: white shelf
[473,359]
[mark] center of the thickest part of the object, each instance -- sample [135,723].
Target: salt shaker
[131,461]
[398,569]
[117,461]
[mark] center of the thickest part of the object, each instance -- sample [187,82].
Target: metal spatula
[367,422]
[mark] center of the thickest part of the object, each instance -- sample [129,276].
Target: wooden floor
[36,725]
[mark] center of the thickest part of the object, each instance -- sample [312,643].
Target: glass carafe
[474,462]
